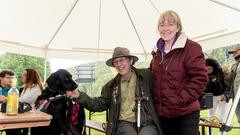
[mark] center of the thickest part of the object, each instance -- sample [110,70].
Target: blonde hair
[171,16]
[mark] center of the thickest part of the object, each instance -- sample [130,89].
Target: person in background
[218,87]
[179,77]
[31,89]
[120,96]
[32,86]
[233,78]
[5,84]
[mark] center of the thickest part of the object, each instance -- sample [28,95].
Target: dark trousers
[127,128]
[20,131]
[12,132]
[183,125]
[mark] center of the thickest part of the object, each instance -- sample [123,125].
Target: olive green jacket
[111,96]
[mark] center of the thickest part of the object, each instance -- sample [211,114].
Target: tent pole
[135,29]
[154,6]
[99,26]
[45,70]
[45,66]
[60,26]
[54,35]
[225,5]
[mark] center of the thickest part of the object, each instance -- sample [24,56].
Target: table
[32,118]
[203,124]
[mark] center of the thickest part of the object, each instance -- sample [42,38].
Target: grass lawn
[101,117]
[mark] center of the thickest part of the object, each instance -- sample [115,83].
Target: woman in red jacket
[180,76]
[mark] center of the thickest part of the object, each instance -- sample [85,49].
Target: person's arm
[228,73]
[196,73]
[226,93]
[3,99]
[30,95]
[96,104]
[219,84]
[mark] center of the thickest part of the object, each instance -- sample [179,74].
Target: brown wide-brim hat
[234,50]
[120,52]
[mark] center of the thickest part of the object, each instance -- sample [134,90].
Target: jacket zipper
[166,68]
[162,58]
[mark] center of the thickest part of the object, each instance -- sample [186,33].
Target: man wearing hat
[234,77]
[121,95]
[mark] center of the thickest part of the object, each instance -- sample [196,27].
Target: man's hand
[3,99]
[222,97]
[226,70]
[73,94]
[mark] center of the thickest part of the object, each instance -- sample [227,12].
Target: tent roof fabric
[91,29]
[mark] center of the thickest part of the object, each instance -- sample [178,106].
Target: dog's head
[61,81]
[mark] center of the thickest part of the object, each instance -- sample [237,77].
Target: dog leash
[47,101]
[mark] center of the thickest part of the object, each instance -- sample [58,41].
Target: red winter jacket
[180,77]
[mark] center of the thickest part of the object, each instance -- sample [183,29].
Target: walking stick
[139,100]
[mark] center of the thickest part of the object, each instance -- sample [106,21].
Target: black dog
[61,109]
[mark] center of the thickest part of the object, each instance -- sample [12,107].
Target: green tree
[18,63]
[221,54]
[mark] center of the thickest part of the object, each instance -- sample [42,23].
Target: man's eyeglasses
[119,60]
[8,77]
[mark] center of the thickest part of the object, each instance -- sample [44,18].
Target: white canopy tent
[90,29]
